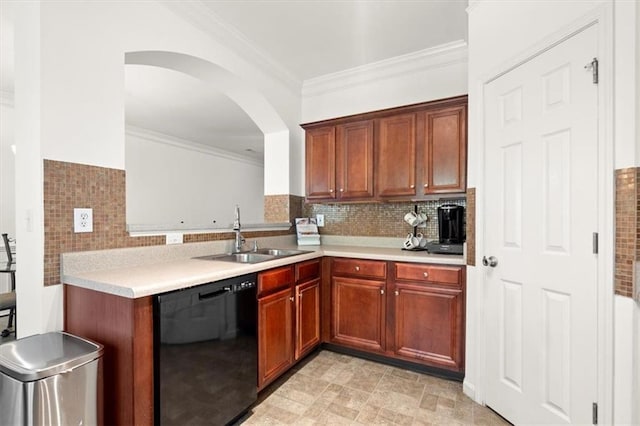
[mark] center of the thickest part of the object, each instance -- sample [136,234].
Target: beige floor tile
[405,374]
[335,389]
[261,420]
[429,402]
[283,403]
[367,415]
[302,388]
[360,380]
[390,382]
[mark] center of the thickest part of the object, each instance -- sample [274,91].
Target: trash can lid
[44,355]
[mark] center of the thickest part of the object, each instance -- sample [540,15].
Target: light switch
[320,220]
[82,220]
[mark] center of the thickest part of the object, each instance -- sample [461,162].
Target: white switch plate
[174,238]
[82,220]
[320,220]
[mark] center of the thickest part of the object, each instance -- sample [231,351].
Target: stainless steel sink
[243,257]
[280,252]
[260,255]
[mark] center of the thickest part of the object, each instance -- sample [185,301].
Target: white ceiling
[311,38]
[308,38]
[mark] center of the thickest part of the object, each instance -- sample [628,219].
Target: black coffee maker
[451,224]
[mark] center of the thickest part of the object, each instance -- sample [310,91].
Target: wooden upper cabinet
[354,160]
[396,156]
[444,160]
[399,154]
[320,163]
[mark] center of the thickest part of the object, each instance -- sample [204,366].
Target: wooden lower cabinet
[288,317]
[358,313]
[428,324]
[275,334]
[307,317]
[415,313]
[125,327]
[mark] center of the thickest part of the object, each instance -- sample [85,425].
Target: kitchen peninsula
[109,298]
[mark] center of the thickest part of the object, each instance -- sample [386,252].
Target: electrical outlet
[320,220]
[174,238]
[82,220]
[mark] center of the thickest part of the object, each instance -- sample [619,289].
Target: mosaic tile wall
[627,229]
[376,219]
[69,185]
[282,208]
[471,226]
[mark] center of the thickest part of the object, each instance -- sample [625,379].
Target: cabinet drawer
[275,279]
[451,275]
[306,271]
[359,268]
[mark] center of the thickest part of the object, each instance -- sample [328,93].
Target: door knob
[491,261]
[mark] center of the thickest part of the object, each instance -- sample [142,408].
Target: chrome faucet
[236,228]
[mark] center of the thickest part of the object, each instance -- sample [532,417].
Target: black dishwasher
[206,352]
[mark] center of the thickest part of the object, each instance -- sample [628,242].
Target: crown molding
[422,60]
[202,17]
[6,98]
[473,5]
[177,142]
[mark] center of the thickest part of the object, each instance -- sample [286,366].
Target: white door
[541,124]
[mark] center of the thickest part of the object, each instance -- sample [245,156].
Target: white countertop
[124,278]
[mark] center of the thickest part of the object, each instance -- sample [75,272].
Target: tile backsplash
[377,219]
[69,185]
[627,229]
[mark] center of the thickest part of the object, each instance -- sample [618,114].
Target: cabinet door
[307,317]
[445,153]
[358,313]
[320,163]
[429,324]
[396,156]
[354,160]
[275,334]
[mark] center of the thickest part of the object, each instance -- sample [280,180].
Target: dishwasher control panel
[244,285]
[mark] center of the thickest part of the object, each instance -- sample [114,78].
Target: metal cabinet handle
[381,291]
[425,274]
[492,261]
[341,190]
[426,185]
[331,190]
[357,268]
[397,293]
[412,186]
[291,298]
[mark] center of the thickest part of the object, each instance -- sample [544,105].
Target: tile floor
[336,389]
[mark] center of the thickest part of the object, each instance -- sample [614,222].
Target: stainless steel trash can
[50,379]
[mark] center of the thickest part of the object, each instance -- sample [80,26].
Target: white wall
[435,73]
[7,181]
[69,101]
[7,165]
[169,184]
[498,33]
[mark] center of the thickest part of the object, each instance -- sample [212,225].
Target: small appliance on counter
[307,231]
[451,230]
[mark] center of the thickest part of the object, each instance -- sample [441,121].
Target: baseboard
[469,389]
[420,368]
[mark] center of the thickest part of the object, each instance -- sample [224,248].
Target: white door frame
[602,16]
